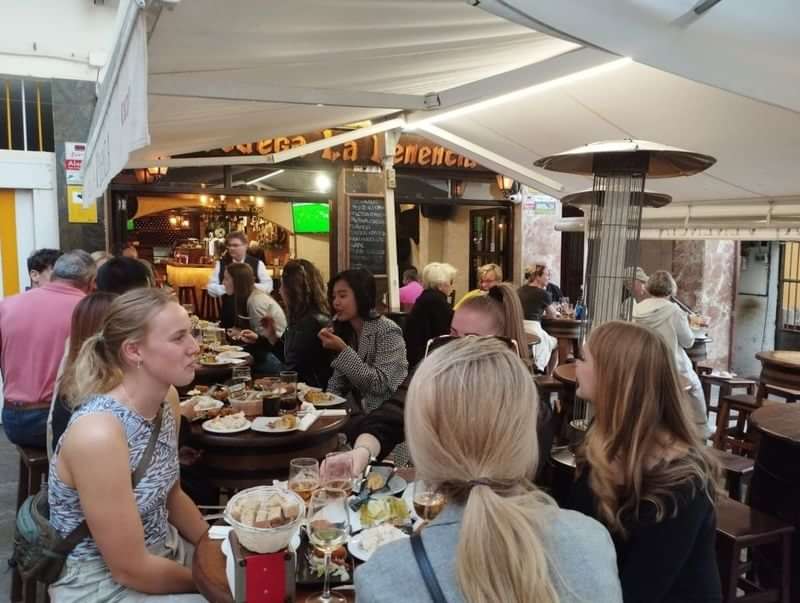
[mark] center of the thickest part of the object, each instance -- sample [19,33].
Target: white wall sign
[74,153]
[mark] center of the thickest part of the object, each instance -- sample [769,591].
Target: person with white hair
[432,312]
[33,328]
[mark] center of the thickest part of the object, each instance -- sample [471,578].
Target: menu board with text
[367,233]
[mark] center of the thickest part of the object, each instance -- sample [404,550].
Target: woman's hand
[331,341]
[248,336]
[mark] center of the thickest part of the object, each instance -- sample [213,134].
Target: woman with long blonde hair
[642,470]
[471,427]
[140,537]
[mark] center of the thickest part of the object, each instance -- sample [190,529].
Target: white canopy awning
[491,89]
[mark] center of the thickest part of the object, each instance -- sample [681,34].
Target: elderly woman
[659,313]
[431,314]
[489,275]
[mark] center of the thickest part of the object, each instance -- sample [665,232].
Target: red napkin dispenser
[262,577]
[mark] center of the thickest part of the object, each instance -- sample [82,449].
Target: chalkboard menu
[367,234]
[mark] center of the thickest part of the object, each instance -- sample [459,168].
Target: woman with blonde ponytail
[141,537]
[471,428]
[643,472]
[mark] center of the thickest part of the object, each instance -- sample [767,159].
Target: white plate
[215,362]
[235,361]
[262,424]
[333,401]
[227,348]
[357,550]
[232,354]
[395,486]
[208,426]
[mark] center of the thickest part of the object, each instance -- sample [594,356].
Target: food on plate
[228,422]
[208,358]
[384,510]
[260,511]
[221,393]
[375,481]
[284,422]
[373,538]
[204,403]
[339,566]
[315,397]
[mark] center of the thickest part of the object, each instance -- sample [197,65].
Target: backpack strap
[82,530]
[426,569]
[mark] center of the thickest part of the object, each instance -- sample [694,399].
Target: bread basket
[265,540]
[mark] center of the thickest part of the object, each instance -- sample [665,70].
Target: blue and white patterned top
[151,492]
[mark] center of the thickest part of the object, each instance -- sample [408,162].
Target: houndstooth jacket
[377,369]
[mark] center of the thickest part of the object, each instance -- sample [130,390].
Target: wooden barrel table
[568,333]
[775,486]
[242,460]
[699,351]
[780,369]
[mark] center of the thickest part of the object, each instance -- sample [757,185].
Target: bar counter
[189,275]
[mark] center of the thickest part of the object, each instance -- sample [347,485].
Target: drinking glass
[289,395]
[304,476]
[271,404]
[328,529]
[241,374]
[337,471]
[428,502]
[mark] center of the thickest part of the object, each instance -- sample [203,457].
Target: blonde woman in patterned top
[142,538]
[370,360]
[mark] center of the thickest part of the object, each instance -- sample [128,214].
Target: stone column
[705,273]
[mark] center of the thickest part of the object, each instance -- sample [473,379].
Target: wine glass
[428,501]
[337,471]
[304,477]
[328,529]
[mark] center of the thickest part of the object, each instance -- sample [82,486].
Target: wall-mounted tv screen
[311,218]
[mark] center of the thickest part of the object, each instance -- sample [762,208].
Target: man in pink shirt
[34,327]
[410,290]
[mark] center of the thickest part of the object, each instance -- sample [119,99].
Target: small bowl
[266,540]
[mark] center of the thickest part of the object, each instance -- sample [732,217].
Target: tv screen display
[311,218]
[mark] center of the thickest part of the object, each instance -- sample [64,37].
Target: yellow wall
[791,271]
[8,242]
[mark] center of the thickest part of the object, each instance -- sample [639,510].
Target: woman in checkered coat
[370,360]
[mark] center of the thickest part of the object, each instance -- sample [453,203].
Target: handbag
[425,568]
[39,550]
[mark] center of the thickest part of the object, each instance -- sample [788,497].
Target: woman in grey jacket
[659,313]
[471,423]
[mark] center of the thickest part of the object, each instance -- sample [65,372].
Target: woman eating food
[642,471]
[370,354]
[499,538]
[141,538]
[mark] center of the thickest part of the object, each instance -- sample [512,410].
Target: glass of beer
[428,502]
[289,394]
[328,529]
[271,387]
[304,477]
[337,471]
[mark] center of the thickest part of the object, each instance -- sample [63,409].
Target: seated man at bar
[236,243]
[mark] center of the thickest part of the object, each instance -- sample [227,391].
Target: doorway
[490,241]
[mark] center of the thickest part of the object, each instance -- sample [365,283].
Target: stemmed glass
[304,477]
[328,529]
[428,502]
[337,471]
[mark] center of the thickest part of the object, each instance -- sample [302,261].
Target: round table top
[565,373]
[778,420]
[783,358]
[256,439]
[561,321]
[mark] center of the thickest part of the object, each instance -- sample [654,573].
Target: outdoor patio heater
[614,217]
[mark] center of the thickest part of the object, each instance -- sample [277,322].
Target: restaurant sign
[410,152]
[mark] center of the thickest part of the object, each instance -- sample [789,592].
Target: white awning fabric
[487,84]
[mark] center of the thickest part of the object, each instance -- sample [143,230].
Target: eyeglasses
[438,342]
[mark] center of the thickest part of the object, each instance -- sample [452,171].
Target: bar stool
[209,306]
[738,469]
[188,295]
[726,386]
[768,542]
[33,468]
[738,438]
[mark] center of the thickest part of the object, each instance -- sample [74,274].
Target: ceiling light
[259,201]
[203,199]
[222,197]
[264,177]
[322,182]
[517,94]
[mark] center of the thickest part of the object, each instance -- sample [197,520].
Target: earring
[139,364]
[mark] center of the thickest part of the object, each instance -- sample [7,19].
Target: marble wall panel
[541,242]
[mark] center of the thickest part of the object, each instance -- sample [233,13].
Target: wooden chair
[210,307]
[726,386]
[765,577]
[737,469]
[33,468]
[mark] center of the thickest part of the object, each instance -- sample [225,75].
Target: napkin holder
[262,577]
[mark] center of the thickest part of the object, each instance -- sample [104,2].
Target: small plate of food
[234,423]
[377,511]
[320,399]
[205,407]
[311,566]
[366,542]
[226,348]
[232,355]
[207,359]
[283,424]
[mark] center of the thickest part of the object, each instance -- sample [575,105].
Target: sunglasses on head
[438,342]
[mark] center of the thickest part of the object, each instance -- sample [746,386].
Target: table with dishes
[316,528]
